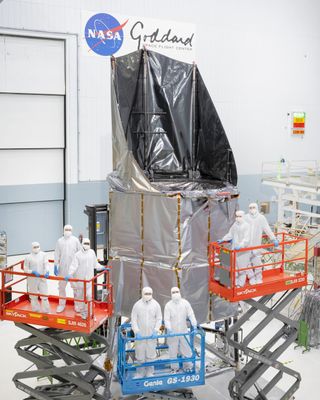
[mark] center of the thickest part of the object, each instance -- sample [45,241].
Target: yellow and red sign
[298,123]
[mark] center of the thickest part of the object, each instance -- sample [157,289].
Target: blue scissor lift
[162,380]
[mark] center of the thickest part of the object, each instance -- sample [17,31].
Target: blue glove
[155,334]
[46,275]
[36,273]
[56,270]
[219,241]
[276,243]
[66,278]
[138,335]
[107,269]
[237,248]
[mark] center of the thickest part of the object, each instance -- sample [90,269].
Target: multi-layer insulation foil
[172,188]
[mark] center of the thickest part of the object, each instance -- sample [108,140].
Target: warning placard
[298,123]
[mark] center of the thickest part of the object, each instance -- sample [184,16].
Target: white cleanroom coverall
[37,262]
[66,248]
[82,267]
[176,313]
[146,319]
[239,233]
[258,225]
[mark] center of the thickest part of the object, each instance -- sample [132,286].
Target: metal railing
[302,172]
[18,278]
[163,378]
[281,261]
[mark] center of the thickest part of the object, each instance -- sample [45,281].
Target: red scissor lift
[285,270]
[63,347]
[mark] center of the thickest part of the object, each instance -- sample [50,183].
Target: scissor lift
[163,381]
[64,348]
[281,273]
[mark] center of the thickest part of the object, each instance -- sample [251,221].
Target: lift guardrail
[282,269]
[162,379]
[19,309]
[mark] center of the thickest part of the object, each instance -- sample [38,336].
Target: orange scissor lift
[63,347]
[284,274]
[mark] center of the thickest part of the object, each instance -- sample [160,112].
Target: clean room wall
[32,126]
[259,59]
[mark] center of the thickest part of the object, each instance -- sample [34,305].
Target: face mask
[147,297]
[86,246]
[253,211]
[238,220]
[35,250]
[67,234]
[176,296]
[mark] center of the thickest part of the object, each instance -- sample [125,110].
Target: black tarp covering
[169,120]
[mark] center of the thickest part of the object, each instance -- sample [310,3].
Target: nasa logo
[104,34]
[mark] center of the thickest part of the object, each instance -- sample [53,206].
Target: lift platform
[73,354]
[281,273]
[18,309]
[282,269]
[162,380]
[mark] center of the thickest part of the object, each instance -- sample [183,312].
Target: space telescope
[173,186]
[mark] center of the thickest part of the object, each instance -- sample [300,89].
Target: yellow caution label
[35,315]
[61,321]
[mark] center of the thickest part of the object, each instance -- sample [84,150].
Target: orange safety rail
[283,268]
[19,308]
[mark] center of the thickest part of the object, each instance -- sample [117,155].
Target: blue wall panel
[28,222]
[28,193]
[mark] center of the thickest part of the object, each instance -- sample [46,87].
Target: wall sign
[104,34]
[298,123]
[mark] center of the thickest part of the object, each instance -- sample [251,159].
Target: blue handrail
[162,379]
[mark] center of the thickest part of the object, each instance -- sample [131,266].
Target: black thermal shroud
[169,120]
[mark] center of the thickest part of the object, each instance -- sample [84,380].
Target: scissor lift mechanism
[277,277]
[73,354]
[66,350]
[268,356]
[66,358]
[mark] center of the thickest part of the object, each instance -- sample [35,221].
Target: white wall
[259,59]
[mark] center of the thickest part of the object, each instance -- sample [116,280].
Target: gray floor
[216,388]
[308,364]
